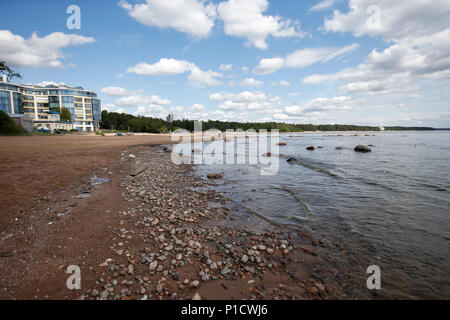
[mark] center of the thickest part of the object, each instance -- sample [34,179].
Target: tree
[8,127]
[10,73]
[65,115]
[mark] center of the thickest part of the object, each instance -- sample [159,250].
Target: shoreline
[222,256]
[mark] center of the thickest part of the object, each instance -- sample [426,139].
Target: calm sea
[389,207]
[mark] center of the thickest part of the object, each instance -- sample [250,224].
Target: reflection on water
[389,207]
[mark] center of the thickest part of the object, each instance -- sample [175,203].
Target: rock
[262,247]
[153,265]
[104,295]
[95,293]
[213,266]
[291,160]
[244,258]
[225,271]
[269,250]
[361,148]
[196,297]
[268,154]
[249,269]
[214,176]
[310,148]
[339,148]
[195,284]
[281,144]
[132,156]
[175,276]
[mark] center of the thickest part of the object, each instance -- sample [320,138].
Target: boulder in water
[311,148]
[339,148]
[281,143]
[214,176]
[291,160]
[361,148]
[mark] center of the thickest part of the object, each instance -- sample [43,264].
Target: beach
[138,227]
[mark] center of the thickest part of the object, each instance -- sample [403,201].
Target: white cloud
[302,58]
[322,105]
[245,18]
[208,78]
[197,107]
[397,21]
[418,47]
[135,100]
[282,83]
[323,5]
[193,17]
[166,67]
[38,51]
[268,66]
[246,100]
[114,91]
[154,111]
[50,83]
[163,67]
[226,67]
[251,82]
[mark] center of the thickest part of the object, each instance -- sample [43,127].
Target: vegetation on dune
[123,121]
[8,127]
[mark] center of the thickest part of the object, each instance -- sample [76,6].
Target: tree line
[127,122]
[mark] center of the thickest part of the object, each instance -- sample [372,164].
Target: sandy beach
[152,230]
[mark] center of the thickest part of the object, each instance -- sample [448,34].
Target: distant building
[43,103]
[382,128]
[169,118]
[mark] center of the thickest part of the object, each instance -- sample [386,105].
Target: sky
[364,62]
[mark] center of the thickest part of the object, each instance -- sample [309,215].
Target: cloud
[282,83]
[38,51]
[154,111]
[418,47]
[226,67]
[135,100]
[250,82]
[268,66]
[245,18]
[50,83]
[246,100]
[208,78]
[167,67]
[419,18]
[302,58]
[163,67]
[323,5]
[193,17]
[197,107]
[114,91]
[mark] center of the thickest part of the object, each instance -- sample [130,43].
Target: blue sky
[325,61]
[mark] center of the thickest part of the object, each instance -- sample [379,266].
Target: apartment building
[41,103]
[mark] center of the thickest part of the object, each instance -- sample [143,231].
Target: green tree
[8,127]
[10,73]
[65,115]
